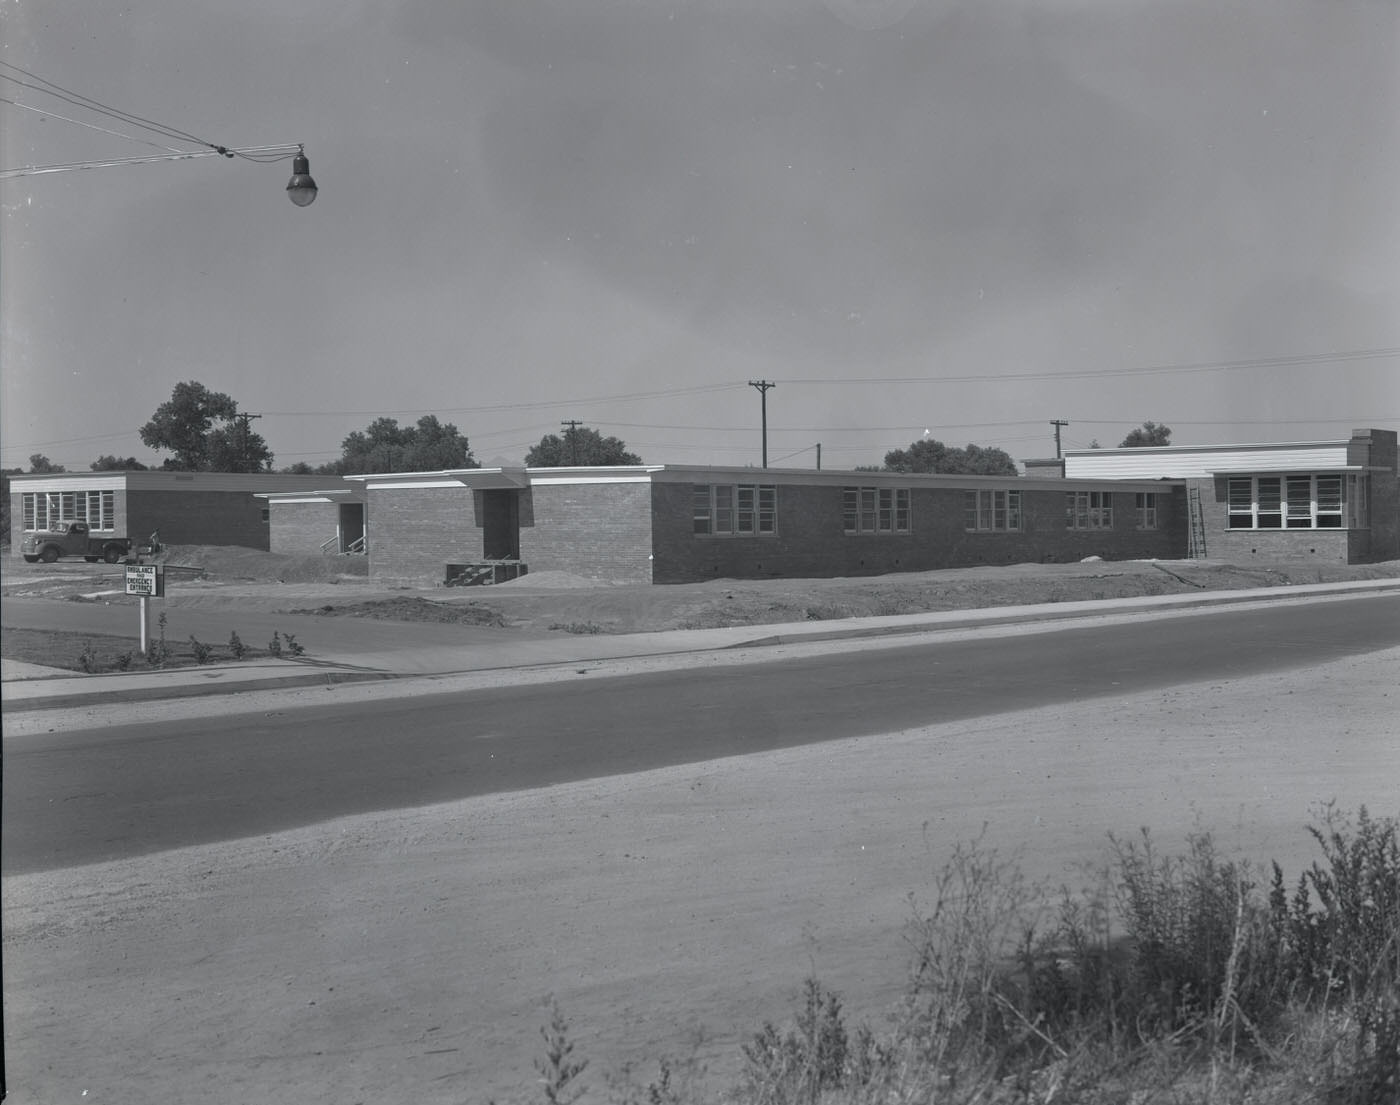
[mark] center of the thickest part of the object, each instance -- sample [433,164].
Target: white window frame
[876,510]
[988,510]
[734,510]
[1295,501]
[46,510]
[1089,510]
[1145,504]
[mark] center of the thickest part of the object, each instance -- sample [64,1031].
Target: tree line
[204,431]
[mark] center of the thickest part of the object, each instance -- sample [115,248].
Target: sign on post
[146,580]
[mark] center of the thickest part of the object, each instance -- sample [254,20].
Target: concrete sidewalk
[29,687]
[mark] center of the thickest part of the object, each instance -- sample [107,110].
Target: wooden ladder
[1197,518]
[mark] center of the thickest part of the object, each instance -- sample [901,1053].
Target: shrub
[201,651]
[236,645]
[559,1072]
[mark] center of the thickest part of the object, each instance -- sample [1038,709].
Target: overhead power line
[39,85]
[1302,360]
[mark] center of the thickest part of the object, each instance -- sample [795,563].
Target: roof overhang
[477,479]
[1320,470]
[338,495]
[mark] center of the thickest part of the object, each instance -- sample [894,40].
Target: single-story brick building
[1307,500]
[678,524]
[1331,500]
[187,508]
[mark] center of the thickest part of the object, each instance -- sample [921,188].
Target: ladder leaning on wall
[1197,520]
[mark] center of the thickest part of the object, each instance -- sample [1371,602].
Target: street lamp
[301,189]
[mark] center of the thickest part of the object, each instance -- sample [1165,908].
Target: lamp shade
[301,189]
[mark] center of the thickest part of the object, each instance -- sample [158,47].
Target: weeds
[559,1072]
[284,644]
[158,649]
[1171,978]
[201,651]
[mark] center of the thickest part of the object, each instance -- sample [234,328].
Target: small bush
[236,646]
[559,1072]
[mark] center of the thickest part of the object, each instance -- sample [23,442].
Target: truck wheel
[48,554]
[31,559]
[111,554]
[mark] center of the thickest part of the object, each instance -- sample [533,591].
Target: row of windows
[875,509]
[49,509]
[724,510]
[1296,502]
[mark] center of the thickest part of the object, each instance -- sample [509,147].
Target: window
[875,509]
[727,510]
[1145,503]
[991,511]
[49,509]
[1089,509]
[1293,502]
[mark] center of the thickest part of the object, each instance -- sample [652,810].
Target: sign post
[145,580]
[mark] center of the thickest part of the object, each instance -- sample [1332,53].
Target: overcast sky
[962,217]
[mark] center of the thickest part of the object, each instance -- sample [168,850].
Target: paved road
[86,796]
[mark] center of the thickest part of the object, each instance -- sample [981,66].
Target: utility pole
[1057,423]
[763,386]
[819,456]
[243,434]
[571,436]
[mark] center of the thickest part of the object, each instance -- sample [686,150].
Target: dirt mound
[410,608]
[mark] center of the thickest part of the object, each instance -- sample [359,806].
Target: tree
[930,455]
[385,446]
[185,426]
[5,474]
[1149,433]
[579,445]
[40,465]
[108,463]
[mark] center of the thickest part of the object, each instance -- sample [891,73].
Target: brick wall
[302,527]
[415,532]
[1384,535]
[597,530]
[188,516]
[811,542]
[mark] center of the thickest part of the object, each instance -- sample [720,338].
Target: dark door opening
[500,536]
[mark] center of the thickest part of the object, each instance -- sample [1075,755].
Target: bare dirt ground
[232,577]
[409,955]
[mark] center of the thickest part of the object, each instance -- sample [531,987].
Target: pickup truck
[73,539]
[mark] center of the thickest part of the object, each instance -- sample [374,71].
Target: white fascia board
[68,481]
[1310,470]
[558,481]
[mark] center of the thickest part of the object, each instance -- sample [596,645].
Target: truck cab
[72,539]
